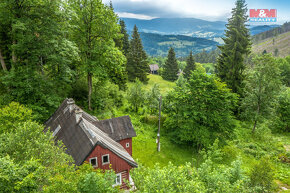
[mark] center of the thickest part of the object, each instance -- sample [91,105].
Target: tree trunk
[13,53]
[2,62]
[253,130]
[256,119]
[90,85]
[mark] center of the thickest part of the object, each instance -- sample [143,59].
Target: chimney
[70,104]
[78,113]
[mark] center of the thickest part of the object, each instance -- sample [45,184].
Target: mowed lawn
[145,147]
[164,85]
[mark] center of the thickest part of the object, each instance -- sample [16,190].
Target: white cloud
[211,10]
[204,9]
[133,15]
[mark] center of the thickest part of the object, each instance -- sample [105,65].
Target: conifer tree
[125,39]
[137,65]
[170,67]
[190,66]
[230,66]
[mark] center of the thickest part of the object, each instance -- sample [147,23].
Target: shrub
[262,175]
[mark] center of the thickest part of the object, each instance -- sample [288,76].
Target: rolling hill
[187,26]
[158,45]
[275,41]
[277,45]
[178,26]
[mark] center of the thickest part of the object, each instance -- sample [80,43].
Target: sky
[212,10]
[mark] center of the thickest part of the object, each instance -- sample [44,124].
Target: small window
[127,145]
[105,159]
[94,161]
[118,179]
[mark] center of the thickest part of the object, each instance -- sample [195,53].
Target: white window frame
[127,145]
[116,182]
[96,161]
[104,163]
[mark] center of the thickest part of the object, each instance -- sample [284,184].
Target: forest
[225,114]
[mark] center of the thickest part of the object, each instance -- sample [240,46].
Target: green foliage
[32,89]
[262,176]
[167,179]
[30,161]
[13,114]
[137,64]
[208,177]
[284,65]
[97,182]
[261,90]
[207,57]
[95,39]
[190,66]
[136,95]
[230,64]
[106,97]
[152,99]
[181,81]
[37,52]
[171,67]
[200,111]
[281,121]
[125,39]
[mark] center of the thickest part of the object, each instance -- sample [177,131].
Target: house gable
[118,129]
[76,130]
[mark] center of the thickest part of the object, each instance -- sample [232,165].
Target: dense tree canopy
[262,87]
[200,111]
[95,28]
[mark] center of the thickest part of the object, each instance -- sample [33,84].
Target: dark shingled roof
[79,133]
[117,128]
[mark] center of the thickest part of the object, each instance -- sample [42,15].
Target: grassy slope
[165,86]
[144,145]
[281,42]
[145,148]
[246,145]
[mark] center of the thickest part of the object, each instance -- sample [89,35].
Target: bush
[281,122]
[262,176]
[200,111]
[13,114]
[136,95]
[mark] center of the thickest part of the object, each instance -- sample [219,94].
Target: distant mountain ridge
[178,26]
[187,26]
[261,28]
[158,45]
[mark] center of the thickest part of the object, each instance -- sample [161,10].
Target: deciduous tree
[261,90]
[95,28]
[200,111]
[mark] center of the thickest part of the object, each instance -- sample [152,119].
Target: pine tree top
[190,66]
[171,66]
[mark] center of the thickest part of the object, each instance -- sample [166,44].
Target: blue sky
[213,10]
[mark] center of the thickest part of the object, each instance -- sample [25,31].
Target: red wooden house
[104,144]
